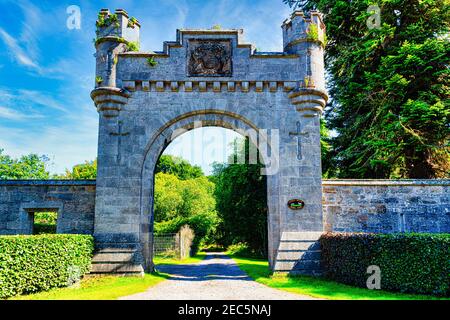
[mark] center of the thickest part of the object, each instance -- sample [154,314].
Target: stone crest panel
[209,58]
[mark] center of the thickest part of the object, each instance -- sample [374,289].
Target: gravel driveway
[217,277]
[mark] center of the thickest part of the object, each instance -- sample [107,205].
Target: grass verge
[98,288]
[317,287]
[109,287]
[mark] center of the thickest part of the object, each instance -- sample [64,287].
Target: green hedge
[413,263]
[31,264]
[44,228]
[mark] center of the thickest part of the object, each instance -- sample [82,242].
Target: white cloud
[11,114]
[39,98]
[17,52]
[29,99]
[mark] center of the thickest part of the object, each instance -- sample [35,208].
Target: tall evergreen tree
[390,87]
[241,196]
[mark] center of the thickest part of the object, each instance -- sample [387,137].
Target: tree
[178,167]
[241,195]
[87,170]
[390,87]
[29,166]
[179,202]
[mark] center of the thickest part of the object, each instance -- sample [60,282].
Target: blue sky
[47,71]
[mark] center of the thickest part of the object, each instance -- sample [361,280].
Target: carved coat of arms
[209,58]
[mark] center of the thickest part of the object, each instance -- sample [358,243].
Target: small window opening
[44,222]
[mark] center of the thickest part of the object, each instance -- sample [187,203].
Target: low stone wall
[348,205]
[386,206]
[73,200]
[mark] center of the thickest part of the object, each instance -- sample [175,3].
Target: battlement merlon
[300,28]
[116,32]
[117,25]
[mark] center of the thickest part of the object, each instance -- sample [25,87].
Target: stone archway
[176,127]
[210,76]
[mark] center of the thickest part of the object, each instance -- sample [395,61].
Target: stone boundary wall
[386,205]
[73,200]
[348,205]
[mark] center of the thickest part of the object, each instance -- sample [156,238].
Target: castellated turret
[305,36]
[115,33]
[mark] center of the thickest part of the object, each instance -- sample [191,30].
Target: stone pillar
[117,218]
[300,177]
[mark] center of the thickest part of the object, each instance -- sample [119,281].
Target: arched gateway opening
[211,78]
[200,182]
[206,118]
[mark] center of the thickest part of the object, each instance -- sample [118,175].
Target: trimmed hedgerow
[30,264]
[410,263]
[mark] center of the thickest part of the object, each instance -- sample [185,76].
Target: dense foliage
[31,264]
[390,87]
[45,222]
[179,202]
[30,166]
[241,197]
[414,263]
[87,170]
[178,167]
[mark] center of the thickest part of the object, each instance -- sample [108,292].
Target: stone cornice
[386,182]
[325,182]
[309,101]
[308,91]
[109,100]
[209,85]
[52,182]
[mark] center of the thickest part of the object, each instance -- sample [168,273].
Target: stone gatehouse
[213,78]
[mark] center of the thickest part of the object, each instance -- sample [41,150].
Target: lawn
[98,288]
[109,287]
[317,287]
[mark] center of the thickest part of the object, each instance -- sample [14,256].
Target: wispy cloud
[40,99]
[11,114]
[16,51]
[29,99]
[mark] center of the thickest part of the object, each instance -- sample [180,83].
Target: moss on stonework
[111,38]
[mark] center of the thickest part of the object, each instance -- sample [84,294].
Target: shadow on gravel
[204,271]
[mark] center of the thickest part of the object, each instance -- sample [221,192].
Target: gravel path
[217,277]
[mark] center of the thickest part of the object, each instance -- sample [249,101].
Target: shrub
[243,250]
[45,222]
[151,62]
[133,46]
[410,263]
[202,224]
[30,264]
[44,228]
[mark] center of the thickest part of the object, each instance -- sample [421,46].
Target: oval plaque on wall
[296,204]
